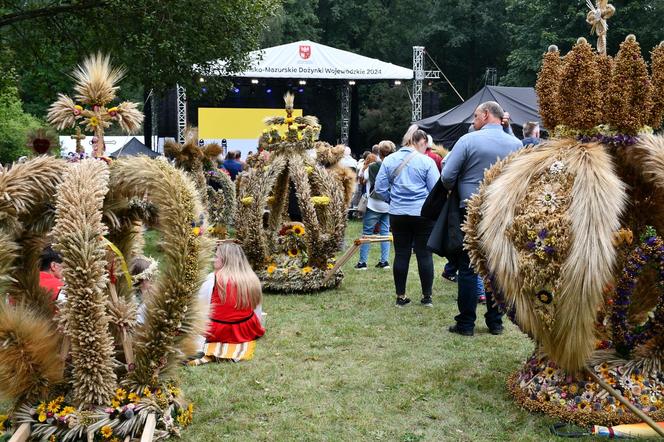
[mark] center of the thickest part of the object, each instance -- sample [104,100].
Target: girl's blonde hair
[236,268]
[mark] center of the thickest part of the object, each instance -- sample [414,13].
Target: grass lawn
[348,365]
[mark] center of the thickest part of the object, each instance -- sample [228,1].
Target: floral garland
[627,337]
[541,386]
[56,420]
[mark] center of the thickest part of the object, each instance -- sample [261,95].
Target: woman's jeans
[411,232]
[372,218]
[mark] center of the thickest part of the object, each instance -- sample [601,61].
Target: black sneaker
[360,266]
[426,301]
[402,301]
[458,331]
[383,265]
[496,330]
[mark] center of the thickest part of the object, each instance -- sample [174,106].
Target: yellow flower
[106,431]
[289,120]
[67,411]
[306,270]
[271,269]
[115,403]
[147,392]
[41,408]
[293,252]
[298,230]
[133,397]
[247,200]
[3,419]
[196,231]
[320,200]
[42,417]
[53,407]
[309,170]
[120,394]
[330,266]
[94,121]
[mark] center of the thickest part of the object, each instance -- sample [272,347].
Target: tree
[14,123]
[535,24]
[160,43]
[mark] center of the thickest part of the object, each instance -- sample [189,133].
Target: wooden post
[21,434]
[640,414]
[148,430]
[349,253]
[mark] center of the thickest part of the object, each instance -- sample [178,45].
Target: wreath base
[299,283]
[541,387]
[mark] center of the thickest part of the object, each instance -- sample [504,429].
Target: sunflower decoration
[96,87]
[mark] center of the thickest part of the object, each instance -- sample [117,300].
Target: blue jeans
[369,222]
[469,290]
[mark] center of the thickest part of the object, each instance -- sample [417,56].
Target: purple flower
[543,234]
[549,250]
[530,245]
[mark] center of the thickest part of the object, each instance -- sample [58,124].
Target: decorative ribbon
[123,261]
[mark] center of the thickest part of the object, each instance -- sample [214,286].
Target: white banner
[306,59]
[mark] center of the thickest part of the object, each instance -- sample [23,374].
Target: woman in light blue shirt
[404,181]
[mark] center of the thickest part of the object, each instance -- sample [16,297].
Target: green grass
[347,365]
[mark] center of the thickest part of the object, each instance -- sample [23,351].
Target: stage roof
[307,59]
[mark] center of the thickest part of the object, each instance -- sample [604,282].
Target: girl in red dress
[233,293]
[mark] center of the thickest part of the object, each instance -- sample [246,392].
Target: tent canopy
[307,59]
[133,148]
[448,127]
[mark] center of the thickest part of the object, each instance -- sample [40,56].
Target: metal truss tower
[419,76]
[182,111]
[345,113]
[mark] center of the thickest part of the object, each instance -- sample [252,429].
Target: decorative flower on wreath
[320,200]
[271,269]
[247,200]
[549,199]
[306,270]
[293,252]
[557,167]
[544,296]
[541,244]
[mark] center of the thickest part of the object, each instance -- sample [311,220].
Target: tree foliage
[14,122]
[160,43]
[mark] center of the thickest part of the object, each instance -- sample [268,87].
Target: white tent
[306,59]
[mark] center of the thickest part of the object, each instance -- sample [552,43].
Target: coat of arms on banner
[305,51]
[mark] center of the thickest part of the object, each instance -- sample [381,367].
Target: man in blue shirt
[232,165]
[464,169]
[531,133]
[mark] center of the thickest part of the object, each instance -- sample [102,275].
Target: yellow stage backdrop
[216,123]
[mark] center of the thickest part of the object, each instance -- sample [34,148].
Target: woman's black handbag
[434,202]
[446,238]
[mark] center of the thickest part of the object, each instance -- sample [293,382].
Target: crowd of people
[396,183]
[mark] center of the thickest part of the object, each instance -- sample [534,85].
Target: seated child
[233,293]
[144,272]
